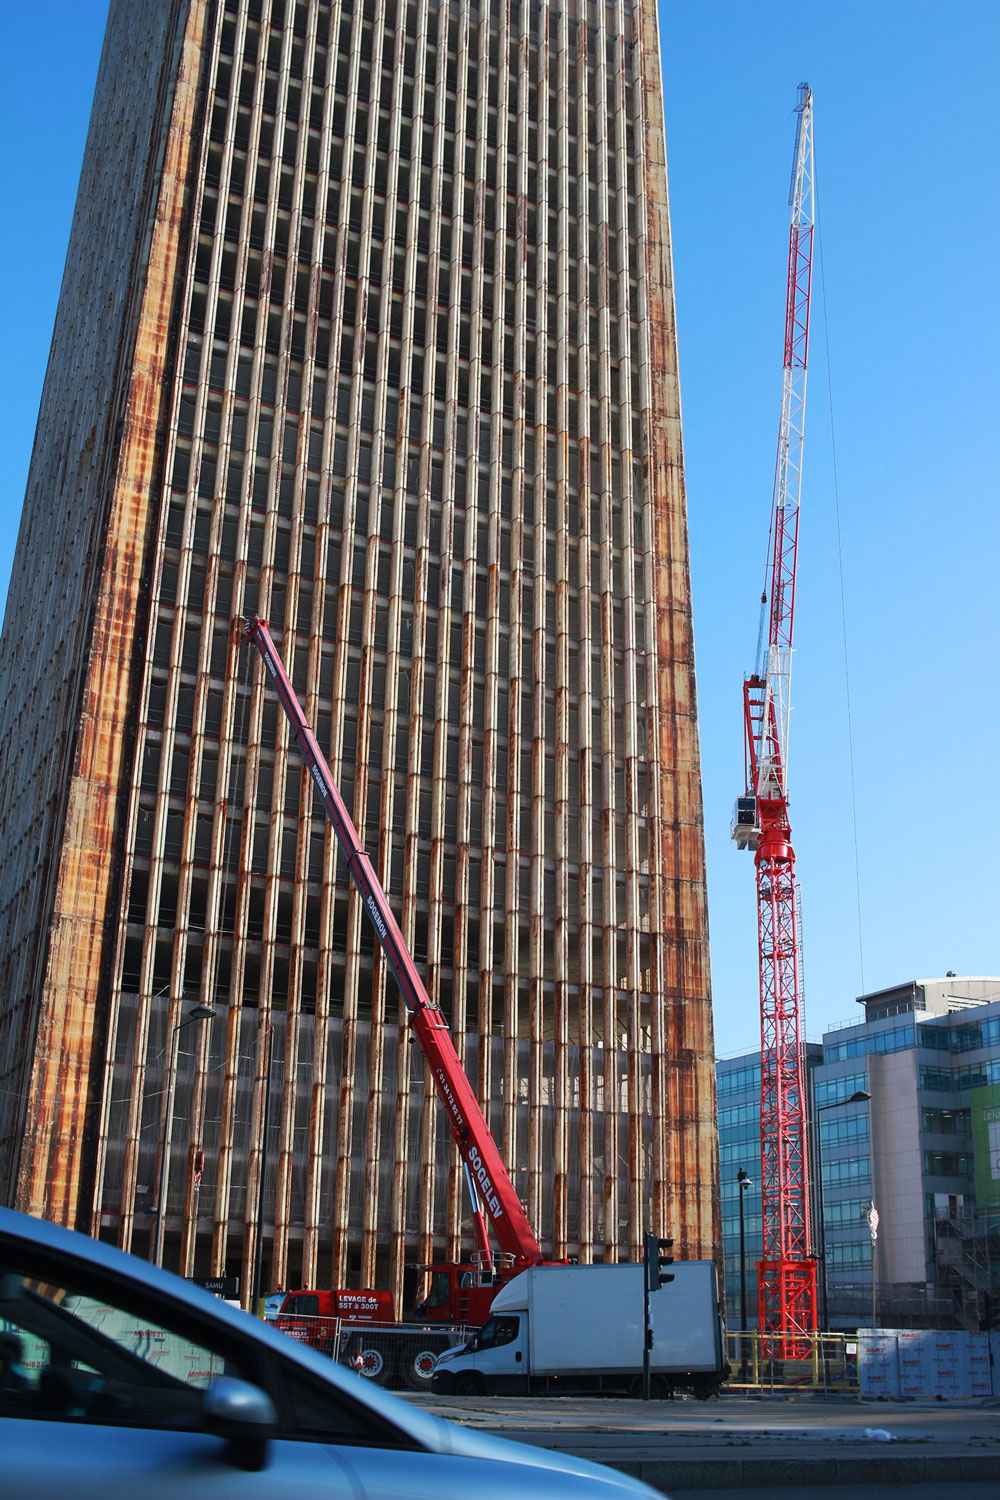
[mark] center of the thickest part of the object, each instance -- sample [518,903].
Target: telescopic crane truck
[491,1189]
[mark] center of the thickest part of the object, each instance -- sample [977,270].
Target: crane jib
[312,756]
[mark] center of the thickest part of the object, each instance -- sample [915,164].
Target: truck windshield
[439,1292]
[498,1331]
[301,1307]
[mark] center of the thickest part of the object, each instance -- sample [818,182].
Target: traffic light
[657,1258]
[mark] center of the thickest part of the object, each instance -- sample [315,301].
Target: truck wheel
[470,1384]
[419,1366]
[704,1386]
[372,1363]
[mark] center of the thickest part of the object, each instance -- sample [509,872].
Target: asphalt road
[737,1445]
[772,1419]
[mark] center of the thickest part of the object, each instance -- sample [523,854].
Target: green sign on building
[986,1143]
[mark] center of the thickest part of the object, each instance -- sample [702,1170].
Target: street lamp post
[744,1182]
[858,1097]
[258,1267]
[197,1013]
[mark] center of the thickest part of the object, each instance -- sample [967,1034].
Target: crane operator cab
[745,827]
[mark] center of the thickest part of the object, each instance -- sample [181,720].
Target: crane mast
[787,1269]
[489,1181]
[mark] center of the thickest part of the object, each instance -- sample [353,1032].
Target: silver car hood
[466,1443]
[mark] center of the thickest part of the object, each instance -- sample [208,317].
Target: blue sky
[906,149]
[906,163]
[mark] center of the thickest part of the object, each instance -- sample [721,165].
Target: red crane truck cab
[460,1293]
[310,1315]
[455,1294]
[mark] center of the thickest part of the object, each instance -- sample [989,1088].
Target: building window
[844,1131]
[948,1164]
[739,1080]
[947,1121]
[845,1212]
[895,1039]
[850,1256]
[848,1172]
[837,1090]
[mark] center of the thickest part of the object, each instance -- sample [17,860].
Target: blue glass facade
[918,1052]
[738,1089]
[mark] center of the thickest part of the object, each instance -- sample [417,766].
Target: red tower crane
[787,1269]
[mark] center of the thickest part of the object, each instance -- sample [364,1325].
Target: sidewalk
[739,1442]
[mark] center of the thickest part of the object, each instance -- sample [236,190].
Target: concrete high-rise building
[366,326]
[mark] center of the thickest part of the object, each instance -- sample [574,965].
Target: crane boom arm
[471,1133]
[769,753]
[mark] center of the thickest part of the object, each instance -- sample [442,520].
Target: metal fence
[399,1355]
[828,1362]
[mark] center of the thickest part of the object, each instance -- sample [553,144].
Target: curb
[742,1473]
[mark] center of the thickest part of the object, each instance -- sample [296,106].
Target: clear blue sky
[906,147]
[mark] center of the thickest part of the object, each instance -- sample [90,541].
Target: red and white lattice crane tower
[787,1269]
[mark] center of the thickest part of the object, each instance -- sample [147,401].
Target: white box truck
[576,1329]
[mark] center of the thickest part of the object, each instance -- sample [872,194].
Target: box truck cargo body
[579,1328]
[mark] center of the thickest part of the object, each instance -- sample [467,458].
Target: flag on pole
[873,1221]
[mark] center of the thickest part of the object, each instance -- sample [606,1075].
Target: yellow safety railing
[823,1362]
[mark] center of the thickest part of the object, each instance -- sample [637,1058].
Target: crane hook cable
[843,599]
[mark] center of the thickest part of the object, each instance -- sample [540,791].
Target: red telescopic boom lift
[787,1269]
[489,1181]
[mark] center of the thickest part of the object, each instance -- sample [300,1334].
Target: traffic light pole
[655,1257]
[647,1337]
[646,1322]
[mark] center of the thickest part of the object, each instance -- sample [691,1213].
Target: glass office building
[924,1147]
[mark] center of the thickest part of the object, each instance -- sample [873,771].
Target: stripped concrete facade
[383,351]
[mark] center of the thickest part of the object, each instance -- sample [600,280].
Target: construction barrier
[822,1362]
[928,1364]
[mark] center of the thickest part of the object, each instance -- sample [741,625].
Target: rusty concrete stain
[56,1122]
